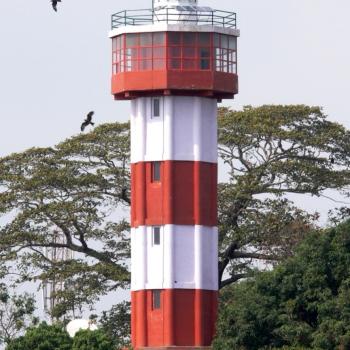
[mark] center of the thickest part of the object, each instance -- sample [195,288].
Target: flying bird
[87,121]
[54,4]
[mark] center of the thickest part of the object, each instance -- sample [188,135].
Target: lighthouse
[174,62]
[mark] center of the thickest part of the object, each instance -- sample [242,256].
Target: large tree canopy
[80,188]
[271,151]
[304,303]
[42,337]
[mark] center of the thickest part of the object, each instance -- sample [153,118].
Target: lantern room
[197,55]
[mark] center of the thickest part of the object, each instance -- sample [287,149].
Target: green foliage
[91,340]
[116,324]
[16,313]
[69,197]
[64,198]
[270,151]
[304,303]
[43,337]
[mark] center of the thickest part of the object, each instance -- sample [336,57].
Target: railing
[211,17]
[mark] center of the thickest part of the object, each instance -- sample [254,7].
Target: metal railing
[211,17]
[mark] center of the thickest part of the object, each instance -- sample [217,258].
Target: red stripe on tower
[174,70]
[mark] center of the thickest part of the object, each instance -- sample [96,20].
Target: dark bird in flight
[88,121]
[54,4]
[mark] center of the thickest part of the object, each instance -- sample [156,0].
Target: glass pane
[156,235]
[114,44]
[189,39]
[174,38]
[145,64]
[127,66]
[218,65]
[146,39]
[189,52]
[156,171]
[159,64]
[204,64]
[232,56]
[218,53]
[189,64]
[204,52]
[175,64]
[146,52]
[114,57]
[158,39]
[175,51]
[224,41]
[204,39]
[131,53]
[132,40]
[119,43]
[232,42]
[159,52]
[156,107]
[115,69]
[156,299]
[216,40]
[224,54]
[134,65]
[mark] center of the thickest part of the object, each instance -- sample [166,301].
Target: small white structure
[73,327]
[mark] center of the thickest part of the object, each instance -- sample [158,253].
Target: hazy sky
[55,67]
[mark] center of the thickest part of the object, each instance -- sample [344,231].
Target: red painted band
[185,195]
[143,83]
[186,317]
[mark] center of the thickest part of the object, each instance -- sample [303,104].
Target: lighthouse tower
[174,62]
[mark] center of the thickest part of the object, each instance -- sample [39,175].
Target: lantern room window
[185,51]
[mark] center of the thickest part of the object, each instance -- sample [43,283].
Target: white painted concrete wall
[185,130]
[187,258]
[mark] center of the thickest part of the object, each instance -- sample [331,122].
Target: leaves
[269,152]
[16,313]
[116,323]
[43,337]
[64,199]
[302,304]
[72,200]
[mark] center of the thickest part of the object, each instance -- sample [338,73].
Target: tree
[91,340]
[116,324]
[270,152]
[76,189]
[16,313]
[43,337]
[81,186]
[304,303]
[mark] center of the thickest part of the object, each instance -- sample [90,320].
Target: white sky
[55,67]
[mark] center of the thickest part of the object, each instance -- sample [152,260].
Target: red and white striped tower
[174,63]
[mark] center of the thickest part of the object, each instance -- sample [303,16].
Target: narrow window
[156,107]
[156,299]
[155,171]
[156,235]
